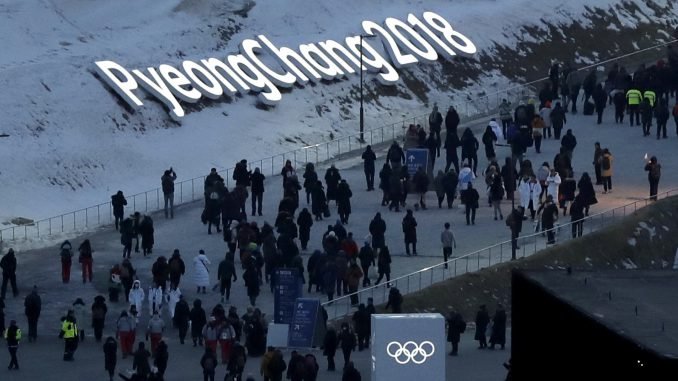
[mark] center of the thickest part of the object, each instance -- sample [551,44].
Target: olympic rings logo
[410,351]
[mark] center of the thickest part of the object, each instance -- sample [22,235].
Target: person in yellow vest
[651,96]
[69,332]
[633,98]
[12,335]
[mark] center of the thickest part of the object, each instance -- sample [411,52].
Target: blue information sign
[287,289]
[303,326]
[415,158]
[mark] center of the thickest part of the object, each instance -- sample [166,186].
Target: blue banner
[303,326]
[415,158]
[288,288]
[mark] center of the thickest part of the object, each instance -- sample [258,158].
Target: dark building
[606,325]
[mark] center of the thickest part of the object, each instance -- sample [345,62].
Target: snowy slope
[72,144]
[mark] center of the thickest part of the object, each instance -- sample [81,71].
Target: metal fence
[473,107]
[479,259]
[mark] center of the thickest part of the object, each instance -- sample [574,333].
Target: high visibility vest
[650,96]
[633,97]
[70,329]
[17,335]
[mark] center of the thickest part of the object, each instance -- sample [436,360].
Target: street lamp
[362,112]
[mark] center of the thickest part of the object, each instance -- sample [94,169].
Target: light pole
[362,112]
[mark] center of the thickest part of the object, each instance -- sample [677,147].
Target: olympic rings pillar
[408,347]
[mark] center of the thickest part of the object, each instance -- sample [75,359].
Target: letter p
[120,80]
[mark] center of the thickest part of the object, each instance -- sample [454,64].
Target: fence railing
[190,190]
[479,259]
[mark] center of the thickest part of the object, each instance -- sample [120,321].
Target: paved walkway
[41,267]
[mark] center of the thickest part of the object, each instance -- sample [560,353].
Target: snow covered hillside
[72,142]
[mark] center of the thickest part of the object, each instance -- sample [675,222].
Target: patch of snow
[666,228]
[651,230]
[628,264]
[632,242]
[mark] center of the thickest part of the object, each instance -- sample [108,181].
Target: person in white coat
[154,299]
[529,190]
[137,296]
[201,272]
[173,296]
[466,177]
[552,184]
[496,128]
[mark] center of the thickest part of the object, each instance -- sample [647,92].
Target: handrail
[346,297]
[310,153]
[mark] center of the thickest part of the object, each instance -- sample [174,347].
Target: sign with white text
[406,43]
[415,158]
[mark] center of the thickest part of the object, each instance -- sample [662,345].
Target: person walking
[558,120]
[469,149]
[80,313]
[182,318]
[421,183]
[505,115]
[353,276]
[606,170]
[66,261]
[198,321]
[577,216]
[498,336]
[257,181]
[597,155]
[141,362]
[410,232]
[455,327]
[369,157]
[12,336]
[482,321]
[201,272]
[177,268]
[8,266]
[32,308]
[125,331]
[154,331]
[395,301]
[167,182]
[110,356]
[161,358]
[515,223]
[537,132]
[225,275]
[330,344]
[99,311]
[344,195]
[251,279]
[653,169]
[208,362]
[384,266]
[646,113]
[633,99]
[549,214]
[662,114]
[448,241]
[347,342]
[471,198]
[137,295]
[69,332]
[496,195]
[85,259]
[118,203]
[366,257]
[600,101]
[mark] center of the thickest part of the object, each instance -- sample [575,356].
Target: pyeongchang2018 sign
[406,44]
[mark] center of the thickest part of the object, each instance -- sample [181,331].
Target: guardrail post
[74,221]
[62,223]
[86,219]
[181,192]
[157,198]
[134,202]
[192,190]
[146,201]
[38,227]
[50,229]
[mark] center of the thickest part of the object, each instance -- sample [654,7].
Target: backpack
[606,163]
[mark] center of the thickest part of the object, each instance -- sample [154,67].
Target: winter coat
[154,297]
[344,195]
[257,180]
[32,305]
[498,328]
[384,178]
[465,177]
[141,364]
[577,209]
[471,198]
[330,274]
[80,315]
[395,154]
[377,230]
[110,354]
[452,121]
[529,191]
[353,276]
[587,192]
[558,118]
[552,186]
[118,201]
[330,343]
[167,181]
[469,145]
[438,184]
[569,141]
[421,181]
[496,189]
[482,320]
[384,262]
[549,214]
[410,228]
[201,273]
[505,111]
[137,295]
[455,326]
[173,296]
[318,200]
[332,178]
[368,160]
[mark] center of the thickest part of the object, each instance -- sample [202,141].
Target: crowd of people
[340,264]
